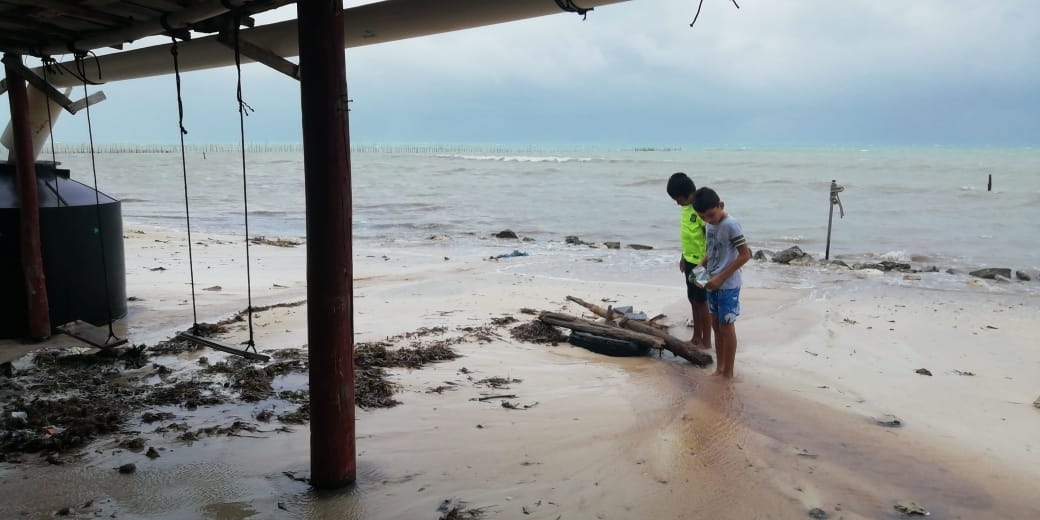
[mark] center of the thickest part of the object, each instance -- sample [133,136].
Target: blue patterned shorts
[725,304]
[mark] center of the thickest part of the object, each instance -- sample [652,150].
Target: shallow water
[929,205]
[758,450]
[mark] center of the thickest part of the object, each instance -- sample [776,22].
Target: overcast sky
[805,72]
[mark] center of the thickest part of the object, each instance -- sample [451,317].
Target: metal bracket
[261,55]
[835,200]
[69,105]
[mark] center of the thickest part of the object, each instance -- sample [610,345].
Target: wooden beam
[39,318]
[262,55]
[330,290]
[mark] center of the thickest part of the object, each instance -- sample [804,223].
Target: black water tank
[81,240]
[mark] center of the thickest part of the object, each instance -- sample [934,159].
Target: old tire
[607,346]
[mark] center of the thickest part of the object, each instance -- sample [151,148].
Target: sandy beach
[797,433]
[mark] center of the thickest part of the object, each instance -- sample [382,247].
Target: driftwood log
[567,321]
[649,335]
[675,345]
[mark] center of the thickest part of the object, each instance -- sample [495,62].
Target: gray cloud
[807,72]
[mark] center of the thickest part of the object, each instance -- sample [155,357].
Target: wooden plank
[220,346]
[87,333]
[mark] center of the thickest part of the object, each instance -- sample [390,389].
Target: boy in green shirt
[693,241]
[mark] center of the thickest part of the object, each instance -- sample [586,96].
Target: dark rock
[1024,276]
[804,261]
[763,254]
[923,371]
[573,240]
[506,233]
[151,453]
[910,508]
[930,269]
[639,247]
[992,273]
[612,245]
[885,266]
[858,266]
[126,469]
[818,514]
[791,253]
[895,266]
[7,369]
[838,262]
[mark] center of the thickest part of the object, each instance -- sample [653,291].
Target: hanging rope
[81,68]
[570,7]
[47,64]
[243,110]
[698,13]
[184,174]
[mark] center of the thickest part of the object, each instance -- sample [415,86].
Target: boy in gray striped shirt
[727,252]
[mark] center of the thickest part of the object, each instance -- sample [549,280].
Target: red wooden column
[330,306]
[39,325]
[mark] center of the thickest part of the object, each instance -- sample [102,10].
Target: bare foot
[716,373]
[701,346]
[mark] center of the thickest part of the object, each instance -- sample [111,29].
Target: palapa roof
[55,27]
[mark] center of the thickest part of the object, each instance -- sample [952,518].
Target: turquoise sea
[923,206]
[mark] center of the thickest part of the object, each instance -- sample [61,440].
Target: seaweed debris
[537,331]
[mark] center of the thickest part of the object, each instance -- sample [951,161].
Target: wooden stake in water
[835,190]
[989,183]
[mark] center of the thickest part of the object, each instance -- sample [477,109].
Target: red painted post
[39,325]
[330,306]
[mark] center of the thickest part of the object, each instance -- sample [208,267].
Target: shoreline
[610,436]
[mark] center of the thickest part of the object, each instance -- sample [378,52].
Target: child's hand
[682,264]
[713,283]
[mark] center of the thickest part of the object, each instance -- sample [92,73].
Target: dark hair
[705,199]
[679,185]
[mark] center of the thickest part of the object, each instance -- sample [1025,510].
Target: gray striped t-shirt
[723,240]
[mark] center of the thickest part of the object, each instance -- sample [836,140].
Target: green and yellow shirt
[691,235]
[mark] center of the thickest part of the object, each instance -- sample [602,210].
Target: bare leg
[726,347]
[701,325]
[719,345]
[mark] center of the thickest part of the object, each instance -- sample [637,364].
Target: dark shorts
[693,293]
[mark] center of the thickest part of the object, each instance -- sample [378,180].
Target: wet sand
[604,437]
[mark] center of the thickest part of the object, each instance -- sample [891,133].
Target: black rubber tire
[607,346]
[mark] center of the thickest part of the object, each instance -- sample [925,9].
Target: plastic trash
[515,252]
[698,276]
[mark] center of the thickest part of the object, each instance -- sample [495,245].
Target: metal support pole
[39,319]
[330,306]
[835,190]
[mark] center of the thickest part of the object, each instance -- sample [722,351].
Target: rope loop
[243,111]
[571,7]
[698,13]
[184,175]
[99,229]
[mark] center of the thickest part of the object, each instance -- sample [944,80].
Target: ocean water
[924,206]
